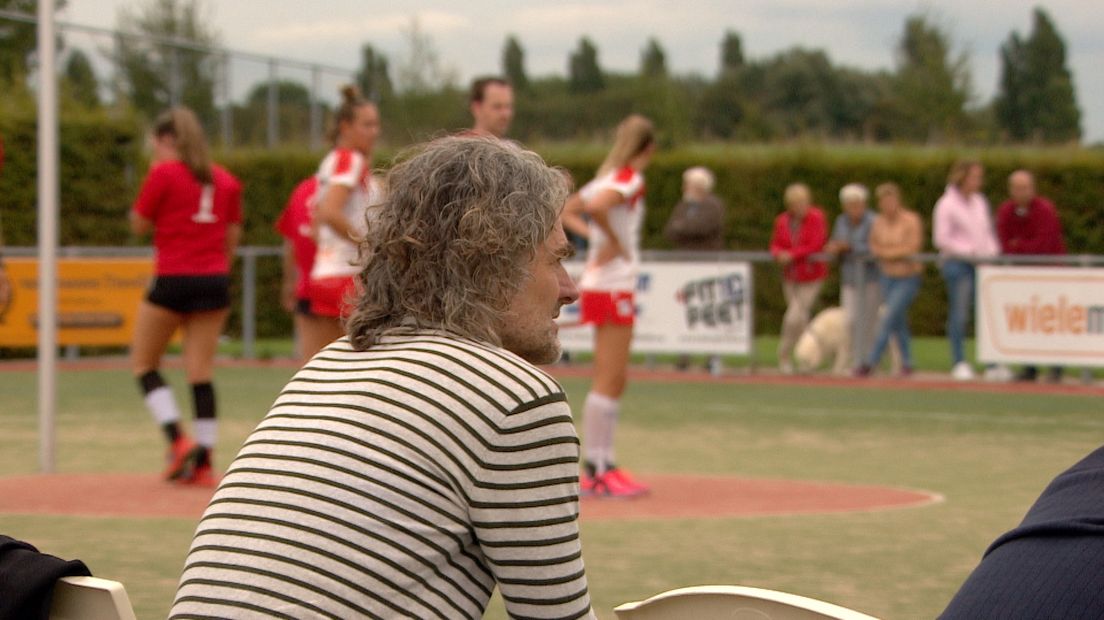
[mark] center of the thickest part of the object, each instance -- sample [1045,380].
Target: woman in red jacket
[193,209]
[799,232]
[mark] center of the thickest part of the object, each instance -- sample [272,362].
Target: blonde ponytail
[191,143]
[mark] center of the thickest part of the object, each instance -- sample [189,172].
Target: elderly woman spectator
[799,232]
[896,237]
[963,233]
[859,295]
[697,221]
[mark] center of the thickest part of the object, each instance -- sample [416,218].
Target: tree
[80,80]
[292,113]
[513,64]
[155,74]
[653,62]
[373,79]
[1036,98]
[18,40]
[932,83]
[584,74]
[420,70]
[732,54]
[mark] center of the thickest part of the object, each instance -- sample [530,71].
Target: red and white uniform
[190,219]
[337,256]
[295,226]
[625,218]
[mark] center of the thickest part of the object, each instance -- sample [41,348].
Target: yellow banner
[97,300]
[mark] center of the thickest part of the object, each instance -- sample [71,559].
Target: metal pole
[273,129]
[47,234]
[174,78]
[315,110]
[249,302]
[227,105]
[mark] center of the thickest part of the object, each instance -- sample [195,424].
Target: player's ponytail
[634,134]
[351,99]
[191,143]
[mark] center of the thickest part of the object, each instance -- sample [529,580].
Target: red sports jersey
[295,226]
[190,219]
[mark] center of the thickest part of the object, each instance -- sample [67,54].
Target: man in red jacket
[1028,224]
[799,232]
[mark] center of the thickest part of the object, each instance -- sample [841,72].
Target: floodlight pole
[47,233]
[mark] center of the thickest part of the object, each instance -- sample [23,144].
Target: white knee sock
[599,421]
[206,431]
[162,405]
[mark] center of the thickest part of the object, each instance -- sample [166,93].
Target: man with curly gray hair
[414,465]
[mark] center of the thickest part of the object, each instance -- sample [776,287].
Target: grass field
[988,454]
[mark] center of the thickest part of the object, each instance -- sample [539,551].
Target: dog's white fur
[826,339]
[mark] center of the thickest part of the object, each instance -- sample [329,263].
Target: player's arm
[598,209]
[572,216]
[140,225]
[287,284]
[331,211]
[233,237]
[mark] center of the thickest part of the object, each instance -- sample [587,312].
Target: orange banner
[97,300]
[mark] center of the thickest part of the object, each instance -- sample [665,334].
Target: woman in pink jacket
[963,233]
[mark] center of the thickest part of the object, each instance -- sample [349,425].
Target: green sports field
[989,454]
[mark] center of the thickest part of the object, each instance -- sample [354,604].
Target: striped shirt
[402,481]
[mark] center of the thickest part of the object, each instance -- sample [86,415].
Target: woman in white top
[345,190]
[614,202]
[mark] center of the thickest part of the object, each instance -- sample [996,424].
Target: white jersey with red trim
[337,255]
[625,219]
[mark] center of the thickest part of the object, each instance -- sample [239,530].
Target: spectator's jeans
[800,299]
[958,276]
[899,294]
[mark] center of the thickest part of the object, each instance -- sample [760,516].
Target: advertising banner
[681,307]
[97,300]
[1041,315]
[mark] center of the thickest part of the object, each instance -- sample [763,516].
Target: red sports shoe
[617,483]
[586,484]
[201,476]
[181,458]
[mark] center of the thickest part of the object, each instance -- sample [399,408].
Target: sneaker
[962,371]
[586,484]
[998,373]
[617,483]
[181,458]
[863,371]
[201,476]
[906,372]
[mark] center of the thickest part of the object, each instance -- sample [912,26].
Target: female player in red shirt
[345,191]
[193,208]
[614,200]
[312,331]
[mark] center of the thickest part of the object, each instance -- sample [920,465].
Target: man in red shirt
[1028,224]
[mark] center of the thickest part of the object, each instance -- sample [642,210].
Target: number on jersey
[206,213]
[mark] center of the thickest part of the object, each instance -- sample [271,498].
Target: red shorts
[607,307]
[332,296]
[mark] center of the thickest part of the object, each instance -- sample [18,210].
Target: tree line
[798,93]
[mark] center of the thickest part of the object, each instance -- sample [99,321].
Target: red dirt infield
[672,497]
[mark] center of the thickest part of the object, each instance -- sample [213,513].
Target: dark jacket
[697,225]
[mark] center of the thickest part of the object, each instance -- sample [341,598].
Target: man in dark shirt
[697,222]
[1028,224]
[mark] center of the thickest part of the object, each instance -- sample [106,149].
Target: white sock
[162,405]
[599,420]
[206,431]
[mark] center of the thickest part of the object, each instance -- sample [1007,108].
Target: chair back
[733,603]
[90,598]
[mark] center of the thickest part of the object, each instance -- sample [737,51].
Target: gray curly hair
[450,245]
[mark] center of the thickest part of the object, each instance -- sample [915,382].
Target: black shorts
[185,294]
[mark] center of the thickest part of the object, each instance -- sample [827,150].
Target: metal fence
[238,74]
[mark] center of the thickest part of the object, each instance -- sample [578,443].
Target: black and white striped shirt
[403,481]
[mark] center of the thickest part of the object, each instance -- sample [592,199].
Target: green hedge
[103,164]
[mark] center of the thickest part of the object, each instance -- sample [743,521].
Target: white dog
[826,339]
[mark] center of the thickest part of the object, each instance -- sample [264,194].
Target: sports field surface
[986,453]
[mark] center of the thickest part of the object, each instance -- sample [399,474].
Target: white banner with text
[680,307]
[1040,315]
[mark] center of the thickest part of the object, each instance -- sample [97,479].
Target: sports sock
[599,419]
[206,423]
[161,404]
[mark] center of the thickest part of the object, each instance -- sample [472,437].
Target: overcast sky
[469,35]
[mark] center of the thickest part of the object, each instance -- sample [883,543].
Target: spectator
[896,237]
[5,283]
[1028,224]
[492,107]
[1048,566]
[697,221]
[850,241]
[963,233]
[799,232]
[422,460]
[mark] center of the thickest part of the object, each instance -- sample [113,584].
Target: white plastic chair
[90,598]
[733,603]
